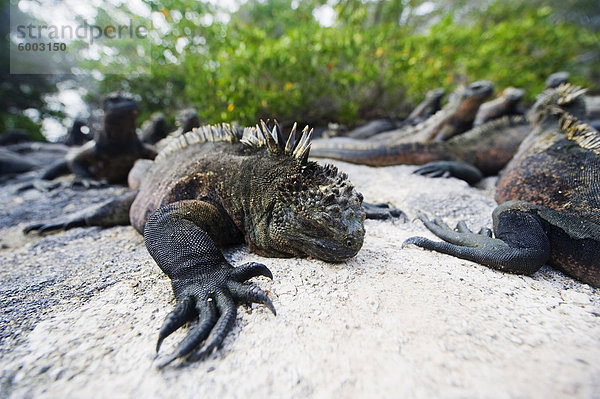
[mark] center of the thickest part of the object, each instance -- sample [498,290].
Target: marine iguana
[556,79]
[186,120]
[506,104]
[113,151]
[429,106]
[454,118]
[154,129]
[221,185]
[75,136]
[549,195]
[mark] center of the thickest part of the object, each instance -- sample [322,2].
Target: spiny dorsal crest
[223,132]
[564,94]
[254,137]
[262,136]
[583,134]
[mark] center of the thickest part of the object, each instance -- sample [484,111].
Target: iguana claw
[215,304]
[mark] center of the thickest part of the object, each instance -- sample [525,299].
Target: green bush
[287,66]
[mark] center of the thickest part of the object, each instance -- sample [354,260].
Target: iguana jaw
[333,246]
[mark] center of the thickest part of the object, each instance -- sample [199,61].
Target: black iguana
[154,129]
[113,151]
[186,120]
[556,79]
[75,136]
[549,195]
[222,185]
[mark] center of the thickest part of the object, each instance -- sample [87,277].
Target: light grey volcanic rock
[81,311]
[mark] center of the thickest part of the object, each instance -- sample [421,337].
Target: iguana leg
[113,212]
[460,170]
[181,238]
[382,211]
[521,245]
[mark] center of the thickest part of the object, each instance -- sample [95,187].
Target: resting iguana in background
[186,120]
[482,151]
[455,117]
[508,103]
[549,195]
[154,129]
[217,186]
[115,147]
[428,107]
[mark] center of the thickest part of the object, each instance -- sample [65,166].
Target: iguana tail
[379,154]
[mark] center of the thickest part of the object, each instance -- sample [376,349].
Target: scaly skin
[549,195]
[207,190]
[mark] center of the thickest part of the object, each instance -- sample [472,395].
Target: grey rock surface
[81,309]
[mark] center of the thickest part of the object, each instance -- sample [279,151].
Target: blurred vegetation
[19,92]
[273,59]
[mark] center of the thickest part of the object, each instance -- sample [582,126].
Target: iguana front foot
[62,223]
[213,297]
[520,246]
[87,183]
[112,212]
[51,185]
[460,170]
[382,211]
[40,185]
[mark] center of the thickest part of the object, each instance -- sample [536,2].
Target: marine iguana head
[513,94]
[482,89]
[187,119]
[155,128]
[120,113]
[556,79]
[316,211]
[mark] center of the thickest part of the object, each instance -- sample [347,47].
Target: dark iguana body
[550,196]
[114,149]
[207,189]
[427,108]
